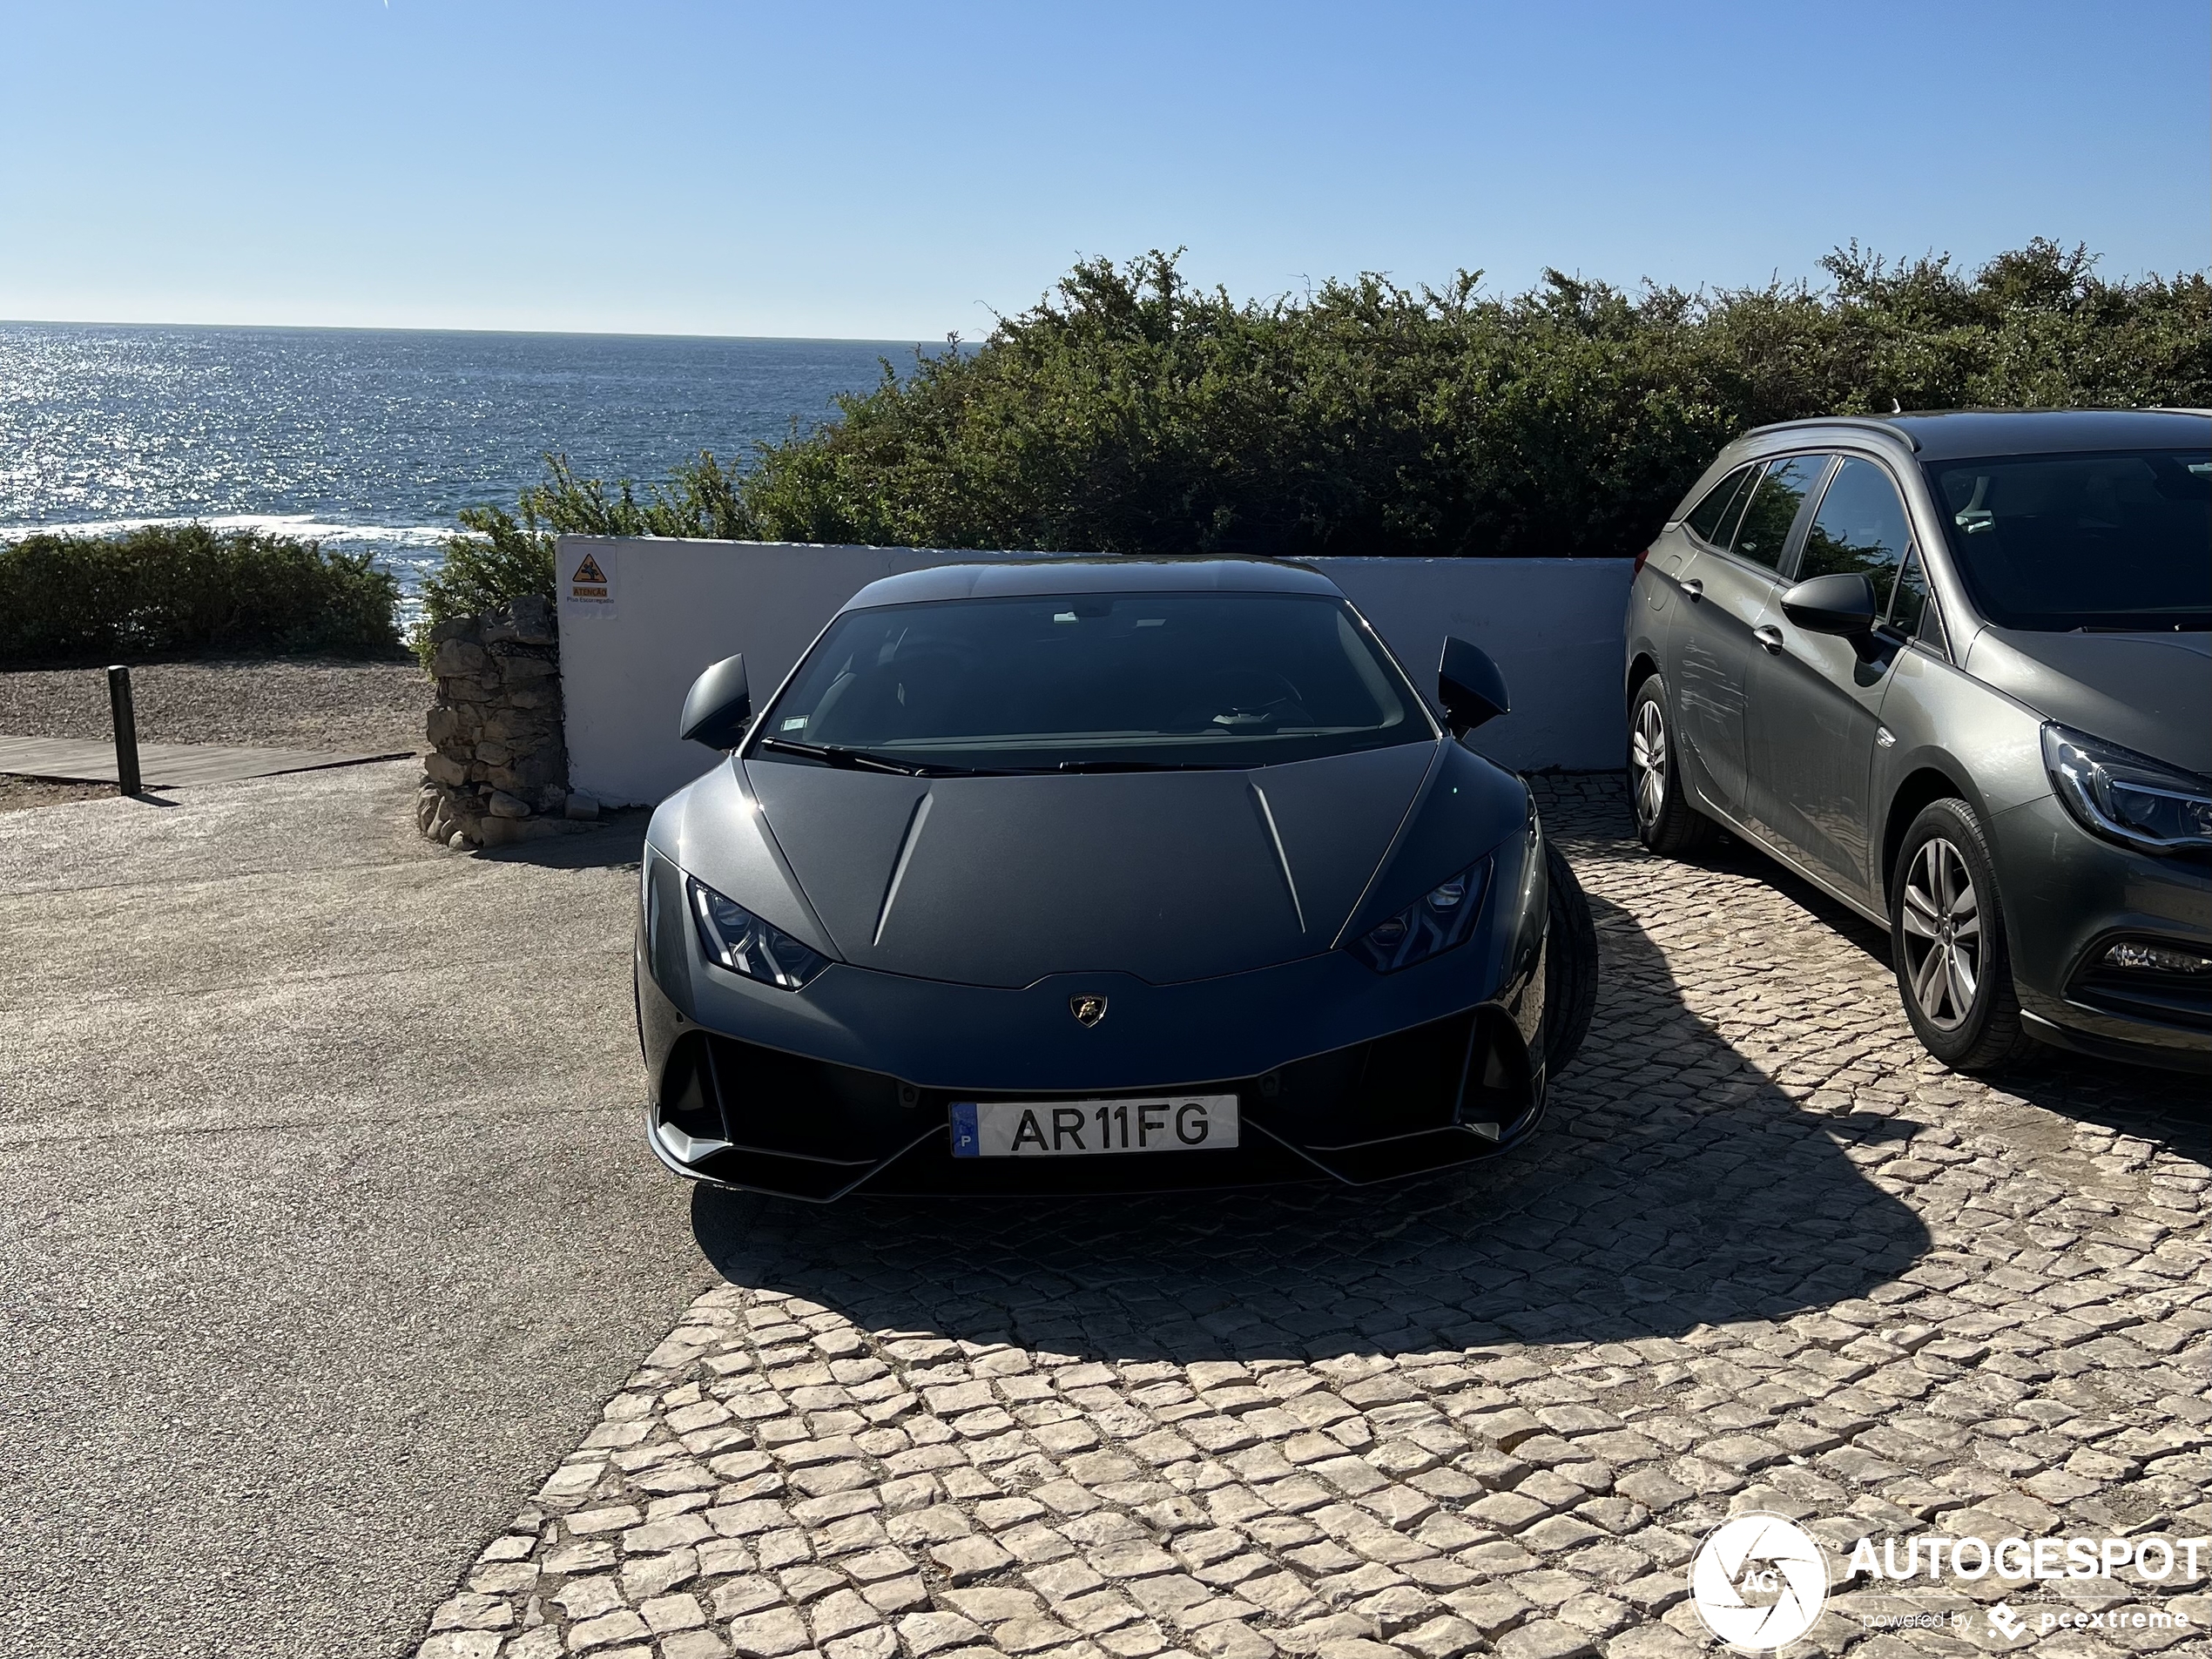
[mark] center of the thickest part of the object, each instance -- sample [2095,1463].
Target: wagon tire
[1666,822]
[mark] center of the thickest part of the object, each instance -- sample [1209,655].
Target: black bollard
[127,730]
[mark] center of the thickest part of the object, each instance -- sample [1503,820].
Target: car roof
[1948,434]
[1091,573]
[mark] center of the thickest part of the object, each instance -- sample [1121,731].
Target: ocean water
[375,438]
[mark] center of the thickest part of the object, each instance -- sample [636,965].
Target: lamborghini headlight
[2127,797]
[734,938]
[1442,917]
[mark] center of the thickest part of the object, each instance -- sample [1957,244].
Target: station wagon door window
[1763,533]
[1914,612]
[1713,519]
[1860,529]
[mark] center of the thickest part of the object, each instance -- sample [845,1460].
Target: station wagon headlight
[1442,917]
[734,938]
[2128,797]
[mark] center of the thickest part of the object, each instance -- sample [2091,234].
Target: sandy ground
[16,794]
[292,703]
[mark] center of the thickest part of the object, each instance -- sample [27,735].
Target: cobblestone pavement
[1766,1254]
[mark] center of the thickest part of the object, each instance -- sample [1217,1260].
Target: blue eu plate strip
[964,1143]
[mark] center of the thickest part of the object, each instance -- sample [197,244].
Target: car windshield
[1110,682]
[2105,541]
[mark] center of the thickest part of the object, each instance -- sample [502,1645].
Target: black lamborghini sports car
[1100,875]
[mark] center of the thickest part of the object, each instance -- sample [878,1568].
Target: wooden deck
[164,766]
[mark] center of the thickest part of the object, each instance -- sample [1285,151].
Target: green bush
[503,556]
[497,560]
[168,589]
[699,499]
[1132,413]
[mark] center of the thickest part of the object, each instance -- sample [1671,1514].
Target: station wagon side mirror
[719,706]
[1833,604]
[1470,686]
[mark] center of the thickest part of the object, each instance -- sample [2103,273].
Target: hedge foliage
[502,555]
[164,589]
[495,560]
[1129,412]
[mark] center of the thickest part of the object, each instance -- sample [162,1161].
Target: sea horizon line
[527,333]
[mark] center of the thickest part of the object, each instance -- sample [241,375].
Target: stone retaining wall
[499,771]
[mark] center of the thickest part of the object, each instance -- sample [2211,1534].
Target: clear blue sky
[897,171]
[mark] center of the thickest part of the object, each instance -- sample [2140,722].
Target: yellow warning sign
[590,589]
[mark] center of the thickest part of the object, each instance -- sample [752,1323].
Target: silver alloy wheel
[1647,761]
[1943,943]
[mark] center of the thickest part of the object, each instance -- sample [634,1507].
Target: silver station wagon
[1955,670]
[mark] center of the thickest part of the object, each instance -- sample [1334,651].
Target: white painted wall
[672,607]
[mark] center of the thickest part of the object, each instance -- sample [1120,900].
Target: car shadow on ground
[2169,1109]
[2173,1109]
[1670,1187]
[1738,857]
[2166,1106]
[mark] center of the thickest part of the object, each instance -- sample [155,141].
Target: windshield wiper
[836,754]
[831,755]
[1145,766]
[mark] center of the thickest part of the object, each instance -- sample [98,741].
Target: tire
[1954,971]
[1570,966]
[1666,822]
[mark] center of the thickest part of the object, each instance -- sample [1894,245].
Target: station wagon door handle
[1694,588]
[1770,636]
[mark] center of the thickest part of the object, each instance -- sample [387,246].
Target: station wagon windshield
[1093,682]
[2102,540]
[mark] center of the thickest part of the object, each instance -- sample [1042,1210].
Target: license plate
[1001,1129]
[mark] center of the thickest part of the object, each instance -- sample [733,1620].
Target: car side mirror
[1833,604]
[1470,687]
[719,706]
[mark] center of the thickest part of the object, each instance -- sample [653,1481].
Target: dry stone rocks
[498,773]
[1764,1254]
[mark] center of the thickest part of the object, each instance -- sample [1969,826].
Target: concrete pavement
[168,766]
[322,1236]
